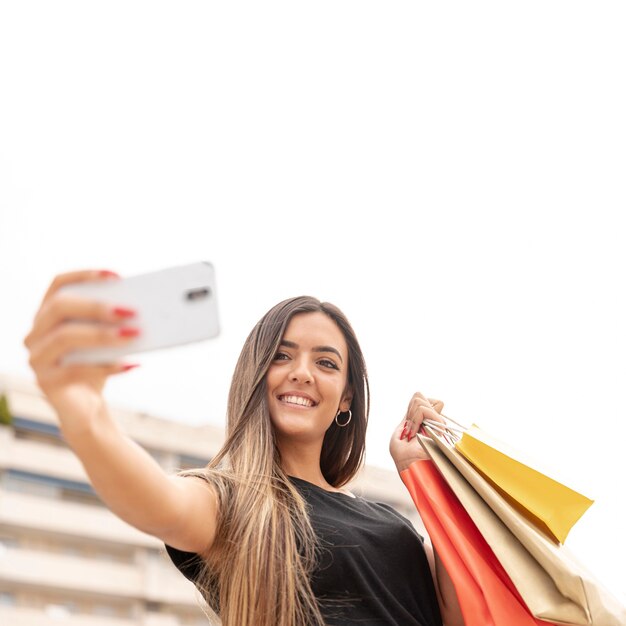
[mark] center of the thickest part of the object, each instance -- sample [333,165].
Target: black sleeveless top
[372,570]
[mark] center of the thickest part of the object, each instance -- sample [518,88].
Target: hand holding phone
[173,306]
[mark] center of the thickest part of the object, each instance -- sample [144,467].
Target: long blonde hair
[265,548]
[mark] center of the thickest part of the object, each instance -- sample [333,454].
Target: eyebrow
[295,346]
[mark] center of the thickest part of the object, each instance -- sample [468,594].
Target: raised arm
[180,511]
[405,450]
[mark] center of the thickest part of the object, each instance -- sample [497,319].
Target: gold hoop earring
[346,422]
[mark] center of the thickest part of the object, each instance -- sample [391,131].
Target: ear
[346,399]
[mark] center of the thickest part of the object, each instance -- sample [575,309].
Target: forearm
[124,475]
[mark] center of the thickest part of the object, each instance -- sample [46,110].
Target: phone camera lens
[198,294]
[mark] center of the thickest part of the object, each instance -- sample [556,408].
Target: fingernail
[128,332]
[108,274]
[121,311]
[402,436]
[130,366]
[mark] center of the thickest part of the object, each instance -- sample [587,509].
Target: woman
[267,531]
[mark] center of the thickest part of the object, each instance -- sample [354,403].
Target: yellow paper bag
[550,505]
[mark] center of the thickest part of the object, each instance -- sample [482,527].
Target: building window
[7,599]
[112,555]
[194,619]
[187,461]
[71,550]
[33,430]
[61,610]
[111,610]
[6,544]
[104,610]
[8,540]
[16,481]
[49,487]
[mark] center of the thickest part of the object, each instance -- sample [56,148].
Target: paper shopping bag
[486,595]
[553,584]
[550,505]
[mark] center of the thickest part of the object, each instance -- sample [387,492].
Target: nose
[300,372]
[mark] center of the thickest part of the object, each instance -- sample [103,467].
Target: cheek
[272,379]
[342,386]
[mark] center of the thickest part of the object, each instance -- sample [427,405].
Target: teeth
[297,400]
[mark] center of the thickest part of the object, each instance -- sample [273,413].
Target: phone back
[174,306]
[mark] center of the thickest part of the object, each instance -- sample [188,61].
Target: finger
[67,278]
[63,307]
[79,276]
[417,398]
[437,404]
[415,415]
[76,335]
[56,375]
[400,430]
[418,415]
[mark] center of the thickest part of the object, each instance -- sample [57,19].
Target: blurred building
[64,558]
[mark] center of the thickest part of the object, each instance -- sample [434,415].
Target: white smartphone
[174,306]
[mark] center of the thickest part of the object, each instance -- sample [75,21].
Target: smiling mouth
[297,400]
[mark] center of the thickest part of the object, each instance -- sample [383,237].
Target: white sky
[450,175]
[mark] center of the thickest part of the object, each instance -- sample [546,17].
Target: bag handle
[451,431]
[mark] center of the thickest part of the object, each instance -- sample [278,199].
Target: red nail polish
[130,366]
[128,332]
[121,311]
[403,435]
[108,274]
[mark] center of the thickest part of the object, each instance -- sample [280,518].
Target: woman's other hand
[404,445]
[64,323]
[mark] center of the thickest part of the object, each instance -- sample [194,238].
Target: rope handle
[451,431]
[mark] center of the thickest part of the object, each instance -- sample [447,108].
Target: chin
[289,428]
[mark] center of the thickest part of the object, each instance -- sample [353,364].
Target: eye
[281,356]
[328,363]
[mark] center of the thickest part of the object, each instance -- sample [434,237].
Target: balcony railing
[147,580]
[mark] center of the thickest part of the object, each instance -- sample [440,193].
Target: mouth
[297,400]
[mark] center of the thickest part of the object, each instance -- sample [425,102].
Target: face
[306,383]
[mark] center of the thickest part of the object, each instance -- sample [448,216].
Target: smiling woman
[266,530]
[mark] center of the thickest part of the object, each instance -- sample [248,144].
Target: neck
[303,461]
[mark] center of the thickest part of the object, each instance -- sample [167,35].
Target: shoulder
[198,509]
